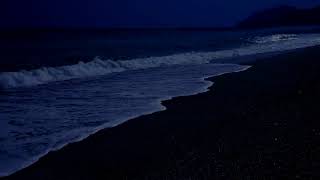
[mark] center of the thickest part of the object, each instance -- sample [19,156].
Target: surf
[99,66]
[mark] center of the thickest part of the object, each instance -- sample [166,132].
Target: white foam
[93,68]
[274,38]
[98,66]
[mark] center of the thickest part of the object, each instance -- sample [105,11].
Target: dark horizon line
[48,28]
[235,26]
[123,28]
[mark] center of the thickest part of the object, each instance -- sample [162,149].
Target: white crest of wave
[274,38]
[96,67]
[93,68]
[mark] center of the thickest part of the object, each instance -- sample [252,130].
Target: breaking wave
[98,66]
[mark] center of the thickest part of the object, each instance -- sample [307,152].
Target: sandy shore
[259,124]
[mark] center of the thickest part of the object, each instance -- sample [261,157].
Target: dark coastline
[282,16]
[259,124]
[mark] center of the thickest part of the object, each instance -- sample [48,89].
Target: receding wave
[98,66]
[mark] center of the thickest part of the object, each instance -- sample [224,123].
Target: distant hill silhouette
[283,16]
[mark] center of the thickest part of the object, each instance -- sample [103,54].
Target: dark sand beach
[263,123]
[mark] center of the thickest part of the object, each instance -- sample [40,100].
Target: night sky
[133,13]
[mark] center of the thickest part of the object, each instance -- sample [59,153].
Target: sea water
[52,102]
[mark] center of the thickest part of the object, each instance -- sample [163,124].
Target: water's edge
[110,125]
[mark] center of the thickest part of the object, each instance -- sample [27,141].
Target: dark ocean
[59,86]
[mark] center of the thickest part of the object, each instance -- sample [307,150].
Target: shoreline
[120,122]
[48,165]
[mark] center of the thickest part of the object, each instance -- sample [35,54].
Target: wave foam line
[274,43]
[273,38]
